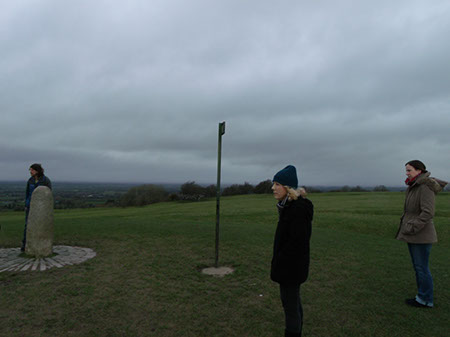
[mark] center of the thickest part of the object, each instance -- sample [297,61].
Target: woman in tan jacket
[417,228]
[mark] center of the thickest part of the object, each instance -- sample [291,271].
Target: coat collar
[436,185]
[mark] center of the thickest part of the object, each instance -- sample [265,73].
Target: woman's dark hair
[38,168]
[418,165]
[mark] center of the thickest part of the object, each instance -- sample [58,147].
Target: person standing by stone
[37,179]
[417,228]
[290,262]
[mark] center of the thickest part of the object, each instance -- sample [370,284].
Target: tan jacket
[416,224]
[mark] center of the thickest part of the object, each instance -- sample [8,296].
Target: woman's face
[33,172]
[279,191]
[411,172]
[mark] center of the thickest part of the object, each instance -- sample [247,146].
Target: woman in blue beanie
[290,262]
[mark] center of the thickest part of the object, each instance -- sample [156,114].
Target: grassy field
[146,279]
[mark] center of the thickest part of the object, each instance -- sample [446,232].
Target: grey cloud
[134,91]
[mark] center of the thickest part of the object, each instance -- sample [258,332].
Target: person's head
[414,168]
[36,170]
[285,183]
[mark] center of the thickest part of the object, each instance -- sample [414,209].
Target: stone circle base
[218,272]
[10,259]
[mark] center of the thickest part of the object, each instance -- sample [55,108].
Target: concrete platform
[10,259]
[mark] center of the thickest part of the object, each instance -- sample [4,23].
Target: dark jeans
[420,255]
[293,311]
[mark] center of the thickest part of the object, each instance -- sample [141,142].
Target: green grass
[146,279]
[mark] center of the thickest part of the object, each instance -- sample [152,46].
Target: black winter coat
[290,262]
[32,184]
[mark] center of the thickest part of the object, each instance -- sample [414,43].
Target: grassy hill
[146,279]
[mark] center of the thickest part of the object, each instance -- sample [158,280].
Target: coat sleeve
[48,183]
[427,198]
[27,195]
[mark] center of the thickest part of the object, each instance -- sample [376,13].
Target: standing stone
[40,226]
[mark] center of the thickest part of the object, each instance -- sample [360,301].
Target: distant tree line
[144,195]
[346,188]
[149,194]
[191,191]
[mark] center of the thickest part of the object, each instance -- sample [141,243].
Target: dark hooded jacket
[290,262]
[32,184]
[416,224]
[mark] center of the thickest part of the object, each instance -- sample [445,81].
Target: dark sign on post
[219,158]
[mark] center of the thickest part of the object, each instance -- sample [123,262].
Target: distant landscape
[68,195]
[89,195]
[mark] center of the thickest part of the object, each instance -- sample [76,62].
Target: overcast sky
[133,91]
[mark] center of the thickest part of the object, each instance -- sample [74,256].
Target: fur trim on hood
[441,183]
[434,184]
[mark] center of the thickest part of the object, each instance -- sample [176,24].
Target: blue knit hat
[287,177]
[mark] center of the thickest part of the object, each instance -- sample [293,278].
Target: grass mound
[146,279]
